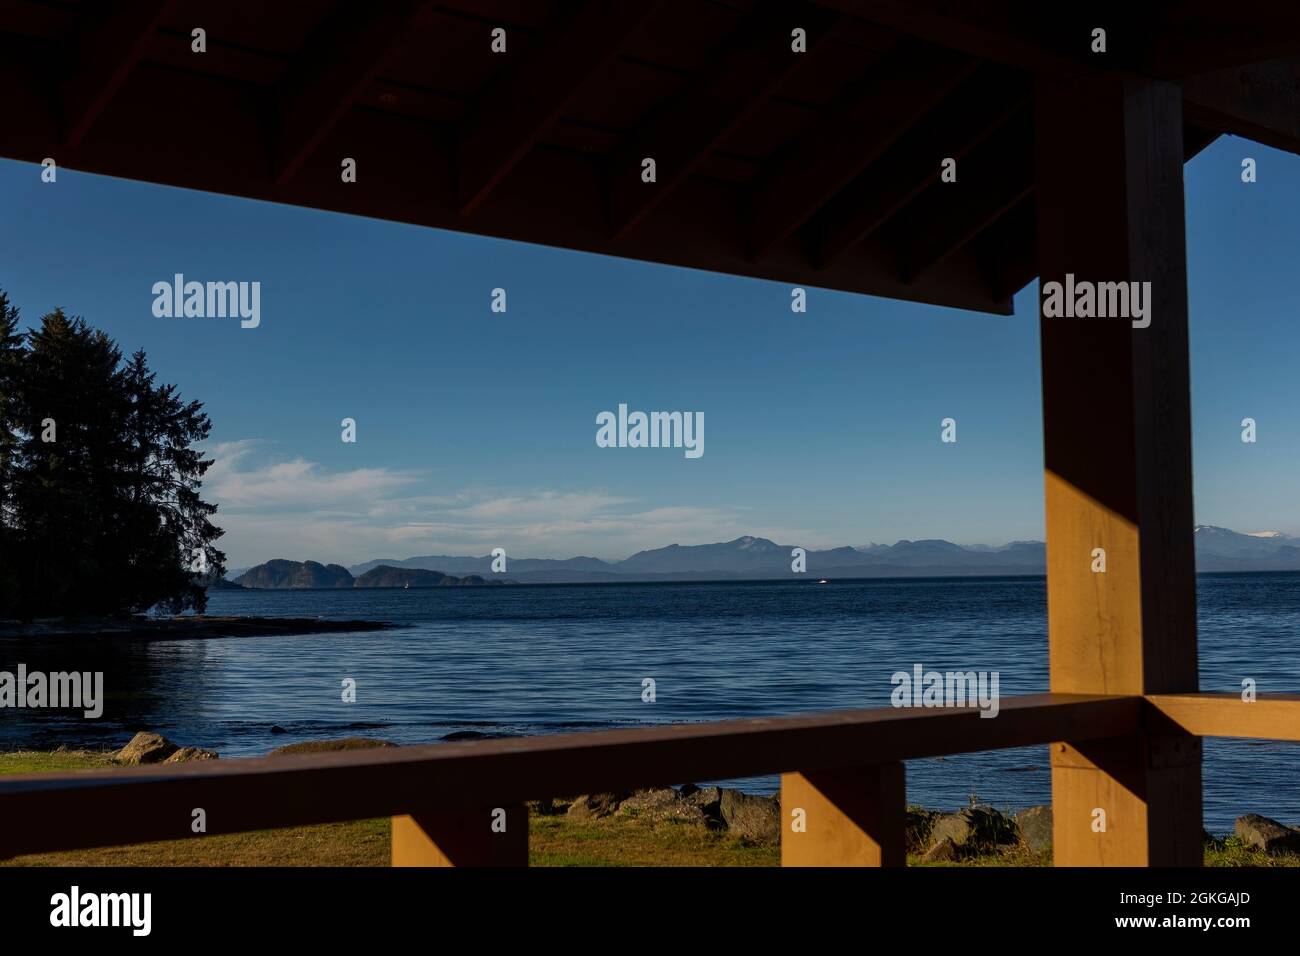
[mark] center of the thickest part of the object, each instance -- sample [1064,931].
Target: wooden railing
[462,803]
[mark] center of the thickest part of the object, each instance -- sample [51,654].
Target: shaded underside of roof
[817,168]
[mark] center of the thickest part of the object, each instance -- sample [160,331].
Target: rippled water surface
[531,660]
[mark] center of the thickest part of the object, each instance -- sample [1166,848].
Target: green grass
[1005,856]
[554,840]
[43,761]
[1233,852]
[359,843]
[633,841]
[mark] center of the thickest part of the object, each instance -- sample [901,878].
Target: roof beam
[109,52]
[1008,250]
[1169,40]
[996,178]
[995,30]
[902,87]
[557,198]
[1195,140]
[519,110]
[342,57]
[978,109]
[679,137]
[1197,36]
[1247,96]
[1260,102]
[1008,247]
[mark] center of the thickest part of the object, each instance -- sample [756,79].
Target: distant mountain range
[1218,549]
[748,557]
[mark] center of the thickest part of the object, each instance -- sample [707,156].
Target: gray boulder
[945,851]
[593,806]
[704,797]
[1267,835]
[978,827]
[708,800]
[146,747]
[547,807]
[953,827]
[756,819]
[1035,826]
[663,803]
[186,754]
[657,798]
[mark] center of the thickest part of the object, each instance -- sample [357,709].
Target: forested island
[283,574]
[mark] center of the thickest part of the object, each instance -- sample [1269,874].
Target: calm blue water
[535,660]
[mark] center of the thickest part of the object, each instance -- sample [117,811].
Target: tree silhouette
[103,513]
[11,344]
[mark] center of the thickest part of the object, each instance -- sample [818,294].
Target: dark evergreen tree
[70,410]
[164,511]
[11,354]
[105,513]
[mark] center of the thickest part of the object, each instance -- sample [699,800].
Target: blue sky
[477,429]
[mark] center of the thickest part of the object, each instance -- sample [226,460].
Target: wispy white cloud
[300,509]
[238,483]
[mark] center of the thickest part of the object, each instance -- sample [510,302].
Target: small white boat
[823,581]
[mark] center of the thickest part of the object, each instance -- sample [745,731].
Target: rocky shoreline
[183,627]
[934,836]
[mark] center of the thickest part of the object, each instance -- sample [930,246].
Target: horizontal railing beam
[1267,717]
[60,811]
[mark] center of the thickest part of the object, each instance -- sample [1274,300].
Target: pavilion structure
[928,150]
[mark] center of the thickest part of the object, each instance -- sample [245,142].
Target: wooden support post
[844,817]
[459,836]
[1117,443]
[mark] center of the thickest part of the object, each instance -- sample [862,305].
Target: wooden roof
[817,168]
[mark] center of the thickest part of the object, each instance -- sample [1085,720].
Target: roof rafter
[1180,42]
[344,54]
[994,179]
[1008,248]
[1260,102]
[107,55]
[1197,36]
[992,30]
[682,134]
[901,88]
[522,107]
[973,113]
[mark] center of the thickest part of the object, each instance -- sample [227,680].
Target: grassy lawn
[553,841]
[359,843]
[628,841]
